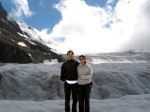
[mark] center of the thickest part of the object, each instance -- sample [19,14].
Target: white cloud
[22,9]
[110,1]
[90,29]
[44,35]
[139,39]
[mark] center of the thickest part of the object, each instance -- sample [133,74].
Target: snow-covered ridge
[33,34]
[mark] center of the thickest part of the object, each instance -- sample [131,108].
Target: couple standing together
[77,81]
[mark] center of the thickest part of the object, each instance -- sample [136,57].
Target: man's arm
[62,73]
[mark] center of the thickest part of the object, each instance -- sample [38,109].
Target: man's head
[70,54]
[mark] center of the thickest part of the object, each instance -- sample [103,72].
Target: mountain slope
[15,48]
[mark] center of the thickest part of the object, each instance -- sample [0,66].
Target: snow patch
[53,61]
[22,35]
[22,44]
[29,54]
[9,18]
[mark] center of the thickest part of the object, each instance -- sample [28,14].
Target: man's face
[70,55]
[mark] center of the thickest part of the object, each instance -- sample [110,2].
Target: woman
[85,73]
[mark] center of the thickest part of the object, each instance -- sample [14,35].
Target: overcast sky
[87,26]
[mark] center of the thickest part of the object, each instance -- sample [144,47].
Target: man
[69,77]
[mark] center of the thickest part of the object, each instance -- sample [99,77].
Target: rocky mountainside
[15,48]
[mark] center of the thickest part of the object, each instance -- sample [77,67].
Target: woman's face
[82,60]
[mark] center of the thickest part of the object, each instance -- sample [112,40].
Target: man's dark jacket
[69,70]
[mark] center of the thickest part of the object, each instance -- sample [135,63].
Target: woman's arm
[88,76]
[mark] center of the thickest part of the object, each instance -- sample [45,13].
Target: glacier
[121,83]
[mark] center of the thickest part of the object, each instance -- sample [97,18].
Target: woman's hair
[70,51]
[82,56]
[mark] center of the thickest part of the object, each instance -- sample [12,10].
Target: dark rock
[9,25]
[12,54]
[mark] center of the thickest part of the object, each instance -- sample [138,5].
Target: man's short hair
[70,52]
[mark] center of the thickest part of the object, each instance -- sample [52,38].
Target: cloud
[93,29]
[110,1]
[135,24]
[21,9]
